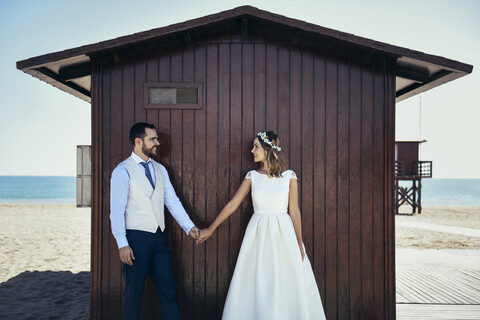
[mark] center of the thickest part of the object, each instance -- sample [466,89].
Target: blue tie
[147,173]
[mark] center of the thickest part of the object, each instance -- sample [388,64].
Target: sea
[38,189]
[45,190]
[449,192]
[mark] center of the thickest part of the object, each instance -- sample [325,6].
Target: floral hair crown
[263,136]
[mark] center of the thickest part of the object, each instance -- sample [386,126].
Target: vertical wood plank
[331,302]
[293,122]
[105,180]
[235,157]
[152,76]
[307,138]
[223,177]
[253,106]
[271,87]
[188,148]
[115,153]
[319,174]
[367,190]
[128,102]
[284,100]
[199,213]
[389,185]
[258,105]
[163,128]
[140,78]
[343,144]
[176,175]
[212,96]
[378,188]
[355,188]
[97,194]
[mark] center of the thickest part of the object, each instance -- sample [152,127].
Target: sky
[42,125]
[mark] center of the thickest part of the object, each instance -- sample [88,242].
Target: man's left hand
[194,233]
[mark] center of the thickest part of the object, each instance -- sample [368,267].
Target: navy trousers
[152,257]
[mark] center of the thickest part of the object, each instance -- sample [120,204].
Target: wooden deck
[447,286]
[440,312]
[430,289]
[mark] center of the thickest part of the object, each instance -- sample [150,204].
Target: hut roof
[416,71]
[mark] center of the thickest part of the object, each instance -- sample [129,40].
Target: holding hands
[204,235]
[229,208]
[194,233]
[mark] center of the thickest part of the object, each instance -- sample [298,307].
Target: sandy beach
[467,217]
[45,254]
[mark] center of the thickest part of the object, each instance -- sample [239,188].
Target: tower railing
[424,169]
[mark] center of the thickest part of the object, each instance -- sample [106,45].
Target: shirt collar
[138,159]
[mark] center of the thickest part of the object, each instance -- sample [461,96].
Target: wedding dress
[270,280]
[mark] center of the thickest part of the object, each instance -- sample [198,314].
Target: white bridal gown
[270,280]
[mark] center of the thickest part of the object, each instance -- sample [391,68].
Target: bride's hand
[302,252]
[204,235]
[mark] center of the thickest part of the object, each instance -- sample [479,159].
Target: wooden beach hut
[209,85]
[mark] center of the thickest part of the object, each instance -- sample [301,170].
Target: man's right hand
[126,255]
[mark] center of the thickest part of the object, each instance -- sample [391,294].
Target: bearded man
[139,190]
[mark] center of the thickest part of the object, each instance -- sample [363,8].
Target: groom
[139,189]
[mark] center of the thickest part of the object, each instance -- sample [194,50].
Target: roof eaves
[453,69]
[235,14]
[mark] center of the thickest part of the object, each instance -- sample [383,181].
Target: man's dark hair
[138,131]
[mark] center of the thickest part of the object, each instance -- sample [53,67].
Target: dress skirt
[270,280]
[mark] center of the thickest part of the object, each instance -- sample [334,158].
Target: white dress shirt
[119,188]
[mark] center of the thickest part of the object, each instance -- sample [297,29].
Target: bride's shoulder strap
[249,175]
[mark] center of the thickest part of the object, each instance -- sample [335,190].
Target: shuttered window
[173,96]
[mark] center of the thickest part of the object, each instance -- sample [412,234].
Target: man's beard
[149,152]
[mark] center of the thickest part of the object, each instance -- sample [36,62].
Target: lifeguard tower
[409,168]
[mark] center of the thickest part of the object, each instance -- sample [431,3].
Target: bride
[273,278]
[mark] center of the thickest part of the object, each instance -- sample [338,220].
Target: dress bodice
[270,195]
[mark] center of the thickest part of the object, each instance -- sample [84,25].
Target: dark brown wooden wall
[334,112]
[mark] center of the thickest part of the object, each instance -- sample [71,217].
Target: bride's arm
[227,211]
[294,211]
